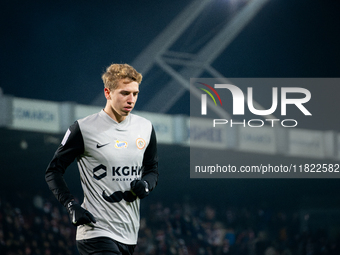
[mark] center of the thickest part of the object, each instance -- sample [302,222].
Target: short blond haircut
[116,72]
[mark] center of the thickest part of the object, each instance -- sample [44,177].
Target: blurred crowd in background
[37,224]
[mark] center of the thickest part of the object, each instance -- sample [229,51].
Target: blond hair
[116,72]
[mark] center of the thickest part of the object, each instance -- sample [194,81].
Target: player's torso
[112,158]
[113,152]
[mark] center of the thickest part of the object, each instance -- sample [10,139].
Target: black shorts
[104,246]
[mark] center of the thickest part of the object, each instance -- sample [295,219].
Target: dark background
[57,50]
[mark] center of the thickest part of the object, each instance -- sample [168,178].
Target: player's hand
[79,215]
[140,188]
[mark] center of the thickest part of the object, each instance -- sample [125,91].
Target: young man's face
[122,100]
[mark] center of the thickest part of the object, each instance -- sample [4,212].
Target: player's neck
[114,115]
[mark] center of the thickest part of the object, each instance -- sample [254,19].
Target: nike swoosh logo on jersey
[101,145]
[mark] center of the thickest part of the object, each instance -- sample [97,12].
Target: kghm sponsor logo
[118,173]
[238,108]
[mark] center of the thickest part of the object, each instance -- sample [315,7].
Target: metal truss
[187,48]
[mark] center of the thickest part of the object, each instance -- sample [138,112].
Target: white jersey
[110,156]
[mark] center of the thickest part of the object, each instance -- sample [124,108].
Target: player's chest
[116,145]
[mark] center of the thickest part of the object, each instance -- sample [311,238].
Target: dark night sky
[57,50]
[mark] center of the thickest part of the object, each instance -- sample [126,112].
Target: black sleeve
[150,162]
[70,148]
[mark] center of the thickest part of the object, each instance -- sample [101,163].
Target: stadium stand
[33,224]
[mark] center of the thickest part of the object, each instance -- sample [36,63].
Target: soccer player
[116,153]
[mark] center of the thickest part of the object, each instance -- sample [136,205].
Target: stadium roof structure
[187,48]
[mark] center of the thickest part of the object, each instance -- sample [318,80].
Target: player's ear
[107,93]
